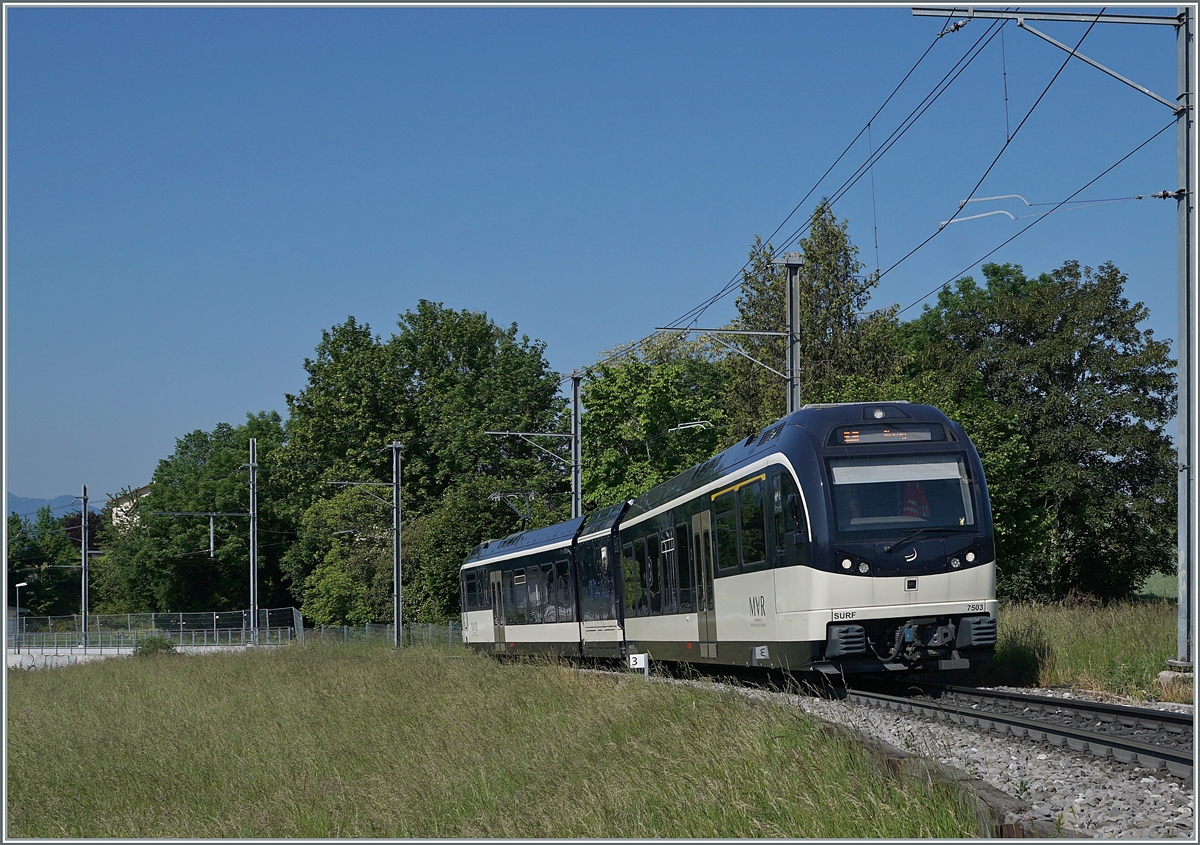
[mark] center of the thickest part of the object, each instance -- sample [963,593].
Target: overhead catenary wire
[910,120]
[695,312]
[1004,77]
[689,318]
[1038,219]
[874,210]
[1004,147]
[1077,205]
[918,111]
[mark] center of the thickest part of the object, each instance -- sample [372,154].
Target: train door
[706,611]
[498,610]
[600,577]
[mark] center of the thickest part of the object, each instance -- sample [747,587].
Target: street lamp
[18,587]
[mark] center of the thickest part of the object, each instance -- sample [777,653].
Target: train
[843,538]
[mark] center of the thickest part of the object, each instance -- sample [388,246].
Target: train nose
[914,556]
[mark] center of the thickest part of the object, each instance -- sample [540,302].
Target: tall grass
[361,741]
[1117,648]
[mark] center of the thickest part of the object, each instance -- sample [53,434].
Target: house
[122,506]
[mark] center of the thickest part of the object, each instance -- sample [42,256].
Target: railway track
[1159,740]
[1154,739]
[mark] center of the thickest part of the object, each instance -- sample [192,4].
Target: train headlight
[970,557]
[955,563]
[864,567]
[847,564]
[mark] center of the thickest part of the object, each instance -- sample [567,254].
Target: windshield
[894,494]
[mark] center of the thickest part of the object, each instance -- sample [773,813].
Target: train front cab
[903,571]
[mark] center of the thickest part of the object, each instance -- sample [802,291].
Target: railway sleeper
[1180,770]
[1097,748]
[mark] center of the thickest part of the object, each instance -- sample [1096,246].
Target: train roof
[818,419]
[601,520]
[551,535]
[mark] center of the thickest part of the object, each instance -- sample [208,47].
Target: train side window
[510,598]
[545,580]
[785,487]
[588,578]
[534,590]
[485,592]
[683,572]
[563,592]
[654,585]
[726,525]
[609,597]
[520,596]
[470,590]
[754,543]
[633,579]
[645,579]
[670,588]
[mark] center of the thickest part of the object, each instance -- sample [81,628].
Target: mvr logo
[758,606]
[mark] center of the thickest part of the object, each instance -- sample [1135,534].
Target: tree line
[1065,395]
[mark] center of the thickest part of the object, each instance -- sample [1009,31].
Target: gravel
[1058,788]
[1048,790]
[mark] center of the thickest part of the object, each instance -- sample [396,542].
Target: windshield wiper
[942,529]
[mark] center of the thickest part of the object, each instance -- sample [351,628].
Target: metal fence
[73,641]
[276,626]
[279,617]
[126,630]
[415,633]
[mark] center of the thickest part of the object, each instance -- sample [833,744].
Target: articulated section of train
[843,538]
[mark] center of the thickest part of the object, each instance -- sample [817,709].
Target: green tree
[351,406]
[1062,356]
[44,552]
[837,339]
[464,375]
[349,536]
[436,386]
[162,563]
[436,543]
[632,403]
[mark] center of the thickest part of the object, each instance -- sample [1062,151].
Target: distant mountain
[58,505]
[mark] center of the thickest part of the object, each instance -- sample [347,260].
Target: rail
[1155,755]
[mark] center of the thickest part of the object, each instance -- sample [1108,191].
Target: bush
[154,645]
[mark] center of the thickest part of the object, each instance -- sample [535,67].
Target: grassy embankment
[1118,648]
[358,741]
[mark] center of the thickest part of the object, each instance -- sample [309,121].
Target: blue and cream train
[848,537]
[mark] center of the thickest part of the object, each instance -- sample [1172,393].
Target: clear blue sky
[194,194]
